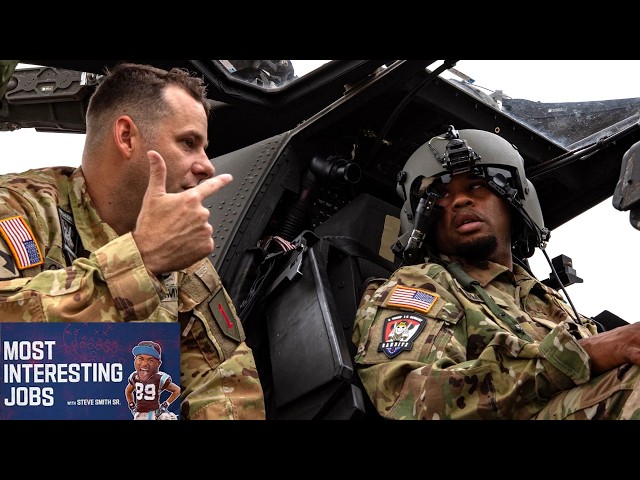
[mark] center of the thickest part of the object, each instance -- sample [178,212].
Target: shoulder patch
[20,240]
[413,298]
[226,320]
[7,266]
[399,333]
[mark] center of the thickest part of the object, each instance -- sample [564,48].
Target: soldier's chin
[478,248]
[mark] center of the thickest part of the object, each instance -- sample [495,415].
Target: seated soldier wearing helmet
[482,338]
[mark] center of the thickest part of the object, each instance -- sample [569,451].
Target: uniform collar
[94,232]
[484,272]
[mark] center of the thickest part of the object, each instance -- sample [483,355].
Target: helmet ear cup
[521,246]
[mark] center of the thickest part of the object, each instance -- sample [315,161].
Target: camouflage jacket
[59,262]
[427,348]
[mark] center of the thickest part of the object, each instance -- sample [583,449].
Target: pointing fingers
[211,185]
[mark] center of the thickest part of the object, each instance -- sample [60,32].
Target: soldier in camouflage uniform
[125,237]
[482,337]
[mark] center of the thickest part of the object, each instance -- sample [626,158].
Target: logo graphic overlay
[77,371]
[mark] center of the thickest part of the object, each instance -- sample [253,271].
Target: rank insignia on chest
[19,238]
[399,332]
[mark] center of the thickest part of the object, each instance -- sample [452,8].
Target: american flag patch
[413,298]
[18,236]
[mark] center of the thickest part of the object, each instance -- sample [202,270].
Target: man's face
[181,138]
[146,365]
[475,222]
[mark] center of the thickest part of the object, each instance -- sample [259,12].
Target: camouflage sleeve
[218,374]
[111,285]
[446,358]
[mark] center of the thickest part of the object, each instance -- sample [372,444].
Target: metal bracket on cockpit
[293,269]
[563,266]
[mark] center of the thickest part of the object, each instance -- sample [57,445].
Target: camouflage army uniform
[108,282]
[458,358]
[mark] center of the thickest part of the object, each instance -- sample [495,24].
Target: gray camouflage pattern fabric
[467,363]
[219,378]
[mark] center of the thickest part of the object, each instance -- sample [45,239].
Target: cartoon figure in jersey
[146,384]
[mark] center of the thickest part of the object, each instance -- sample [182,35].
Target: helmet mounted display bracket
[458,156]
[425,216]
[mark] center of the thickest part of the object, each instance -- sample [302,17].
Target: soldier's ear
[125,133]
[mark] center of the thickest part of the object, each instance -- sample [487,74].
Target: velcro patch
[399,332]
[19,238]
[225,319]
[171,286]
[413,298]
